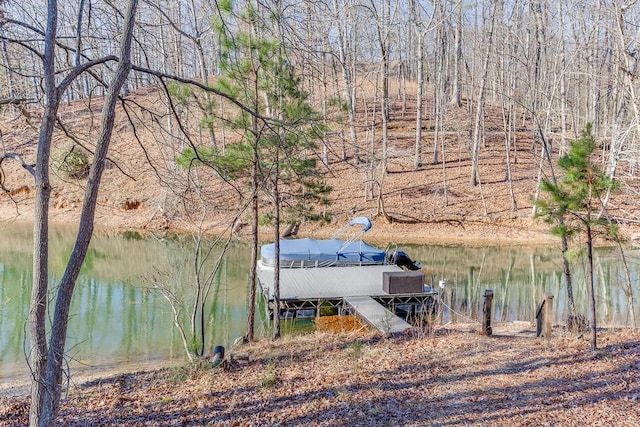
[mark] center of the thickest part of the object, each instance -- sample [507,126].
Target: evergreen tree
[275,152]
[574,203]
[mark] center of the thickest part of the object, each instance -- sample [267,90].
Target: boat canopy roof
[363,221]
[308,249]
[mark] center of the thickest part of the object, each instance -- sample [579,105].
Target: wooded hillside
[444,112]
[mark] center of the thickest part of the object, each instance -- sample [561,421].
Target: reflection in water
[117,319]
[521,276]
[115,316]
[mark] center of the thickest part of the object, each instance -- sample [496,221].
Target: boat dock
[360,290]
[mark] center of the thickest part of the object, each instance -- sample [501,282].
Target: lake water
[116,319]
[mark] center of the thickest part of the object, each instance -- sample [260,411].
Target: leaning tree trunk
[628,288]
[55,355]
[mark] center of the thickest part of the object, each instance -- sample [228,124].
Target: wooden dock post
[544,316]
[486,313]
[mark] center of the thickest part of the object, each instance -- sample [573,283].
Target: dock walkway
[376,315]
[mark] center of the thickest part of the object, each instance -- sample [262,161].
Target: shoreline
[443,230]
[17,385]
[473,233]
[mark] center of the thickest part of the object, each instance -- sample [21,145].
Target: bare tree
[477,131]
[341,8]
[456,89]
[383,14]
[420,30]
[47,358]
[416,25]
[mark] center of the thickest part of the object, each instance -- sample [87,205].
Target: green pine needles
[575,207]
[577,197]
[277,130]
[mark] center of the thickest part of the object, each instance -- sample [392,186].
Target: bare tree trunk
[39,291]
[475,153]
[566,268]
[6,63]
[592,288]
[175,308]
[419,31]
[456,90]
[628,288]
[439,92]
[47,406]
[255,187]
[347,77]
[508,135]
[444,173]
[251,303]
[79,48]
[276,271]
[385,112]
[417,151]
[629,69]
[563,84]
[276,188]
[383,21]
[325,115]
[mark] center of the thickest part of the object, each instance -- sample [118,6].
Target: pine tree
[574,203]
[276,151]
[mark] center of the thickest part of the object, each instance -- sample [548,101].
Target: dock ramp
[375,314]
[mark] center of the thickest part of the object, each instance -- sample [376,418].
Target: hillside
[144,190]
[452,376]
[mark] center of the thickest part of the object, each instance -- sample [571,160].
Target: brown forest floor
[434,204]
[453,376]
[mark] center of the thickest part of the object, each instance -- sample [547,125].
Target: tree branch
[160,75]
[18,158]
[77,71]
[72,137]
[14,101]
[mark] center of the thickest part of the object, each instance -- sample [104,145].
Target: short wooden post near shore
[486,313]
[544,316]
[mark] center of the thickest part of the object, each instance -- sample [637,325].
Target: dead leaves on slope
[455,377]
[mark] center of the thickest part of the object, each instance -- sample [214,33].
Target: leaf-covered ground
[141,188]
[451,376]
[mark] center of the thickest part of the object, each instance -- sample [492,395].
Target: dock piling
[486,313]
[544,317]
